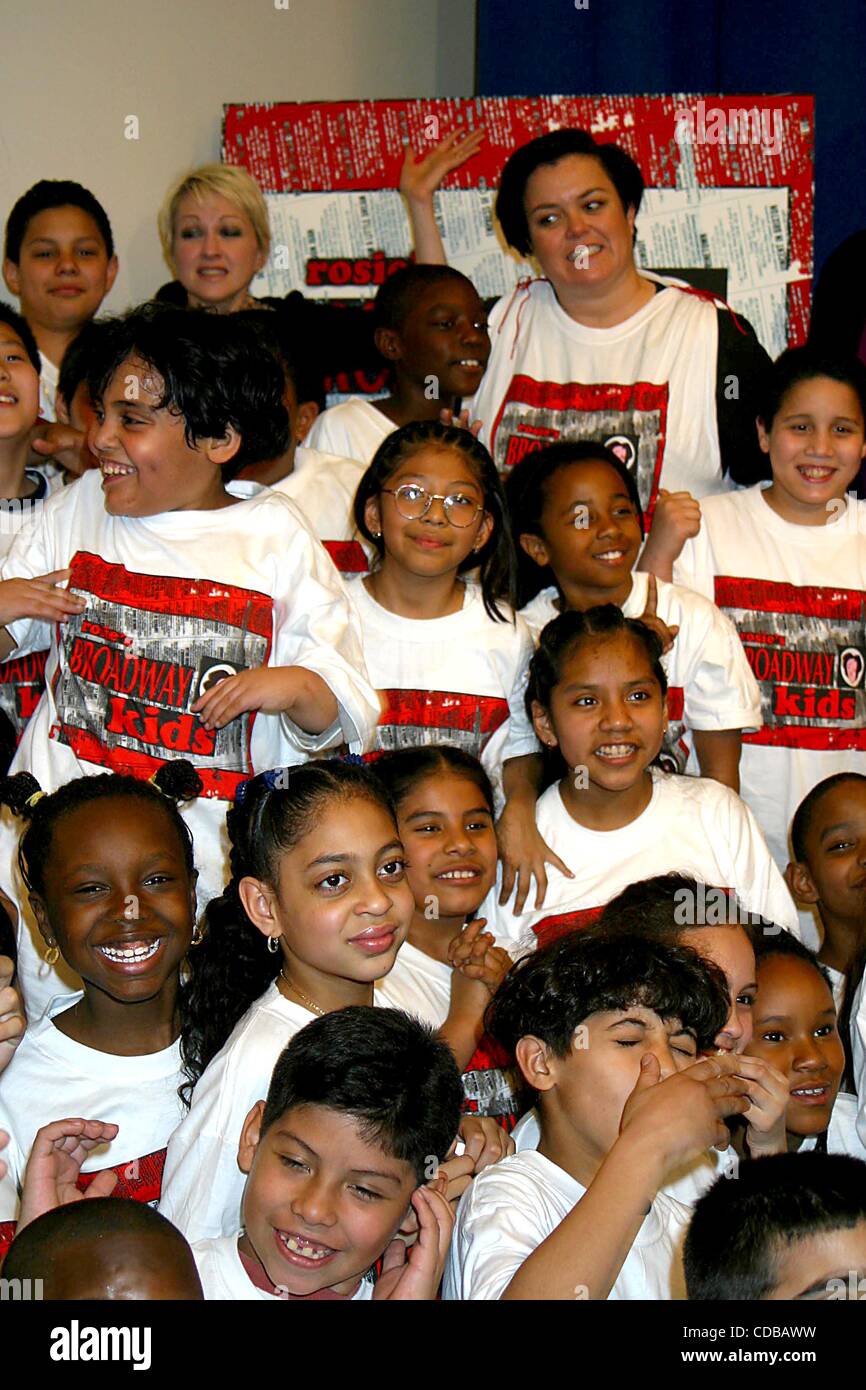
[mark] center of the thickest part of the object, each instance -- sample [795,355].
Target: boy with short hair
[59,260]
[202,618]
[828,837]
[793,1226]
[606,1030]
[362,1105]
[431,327]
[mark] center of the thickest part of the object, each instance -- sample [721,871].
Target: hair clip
[275,779]
[356,759]
[33,798]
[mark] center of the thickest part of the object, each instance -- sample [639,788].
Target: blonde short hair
[229,182]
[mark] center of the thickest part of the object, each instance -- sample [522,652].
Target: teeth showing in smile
[809,1091]
[459,873]
[469,362]
[816,474]
[615,750]
[8,400]
[133,953]
[298,1247]
[581,253]
[115,470]
[611,555]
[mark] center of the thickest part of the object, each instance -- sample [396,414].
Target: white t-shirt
[646,387]
[121,677]
[692,826]
[324,488]
[48,379]
[51,1077]
[353,429]
[842,1135]
[22,679]
[223,1276]
[203,1186]
[458,679]
[710,685]
[796,595]
[685,1184]
[511,1207]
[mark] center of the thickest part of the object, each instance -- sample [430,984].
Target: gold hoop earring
[52,955]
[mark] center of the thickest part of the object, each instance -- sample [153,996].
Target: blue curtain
[726,46]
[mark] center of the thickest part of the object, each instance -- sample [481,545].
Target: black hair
[172,782]
[495,561]
[215,373]
[557,642]
[784,943]
[799,364]
[53,193]
[805,812]
[397,297]
[403,769]
[740,1229]
[620,168]
[21,327]
[232,966]
[665,907]
[279,333]
[77,358]
[549,993]
[388,1071]
[526,496]
[42,1244]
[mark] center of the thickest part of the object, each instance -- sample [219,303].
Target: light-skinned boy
[362,1105]
[606,1032]
[202,618]
[59,260]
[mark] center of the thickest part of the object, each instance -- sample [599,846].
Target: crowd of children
[413,883]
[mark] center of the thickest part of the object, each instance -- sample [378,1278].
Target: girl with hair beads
[441,643]
[596,696]
[444,804]
[108,864]
[311,921]
[797,596]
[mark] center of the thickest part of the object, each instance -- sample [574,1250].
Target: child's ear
[389,343]
[542,725]
[258,901]
[223,450]
[535,548]
[110,274]
[250,1136]
[800,883]
[484,532]
[373,516]
[534,1062]
[61,409]
[12,276]
[40,912]
[763,436]
[304,418]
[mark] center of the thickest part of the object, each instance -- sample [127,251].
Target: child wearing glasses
[442,644]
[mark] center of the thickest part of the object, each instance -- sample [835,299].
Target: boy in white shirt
[361,1106]
[606,1032]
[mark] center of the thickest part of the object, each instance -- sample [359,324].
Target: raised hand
[58,1152]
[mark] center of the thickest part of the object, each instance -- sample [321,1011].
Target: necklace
[305,998]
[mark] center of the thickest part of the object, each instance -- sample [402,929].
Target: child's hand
[650,618]
[446,417]
[524,854]
[474,954]
[64,445]
[11,1013]
[484,1141]
[677,517]
[58,1152]
[271,689]
[41,597]
[682,1116]
[767,1090]
[419,179]
[419,1277]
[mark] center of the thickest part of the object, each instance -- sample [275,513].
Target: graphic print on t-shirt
[805,645]
[140,655]
[417,718]
[22,681]
[631,419]
[138,1178]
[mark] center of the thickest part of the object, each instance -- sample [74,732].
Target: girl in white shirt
[444,805]
[440,640]
[108,864]
[597,698]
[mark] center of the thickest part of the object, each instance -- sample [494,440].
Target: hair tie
[33,798]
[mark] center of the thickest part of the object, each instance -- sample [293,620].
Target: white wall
[72,73]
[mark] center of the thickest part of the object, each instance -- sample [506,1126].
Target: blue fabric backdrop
[728,46]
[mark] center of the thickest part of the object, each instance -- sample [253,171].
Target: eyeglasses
[413,502]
